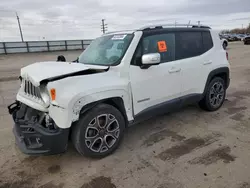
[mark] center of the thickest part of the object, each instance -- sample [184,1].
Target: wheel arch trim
[117,98]
[217,72]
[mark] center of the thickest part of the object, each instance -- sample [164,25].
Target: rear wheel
[99,132]
[214,96]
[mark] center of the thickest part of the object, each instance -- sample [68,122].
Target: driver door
[159,86]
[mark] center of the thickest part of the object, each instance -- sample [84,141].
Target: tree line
[237,30]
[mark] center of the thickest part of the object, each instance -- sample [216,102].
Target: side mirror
[61,58]
[151,59]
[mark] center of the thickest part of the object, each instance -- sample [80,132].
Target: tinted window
[162,43]
[188,44]
[207,41]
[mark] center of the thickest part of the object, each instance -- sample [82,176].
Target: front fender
[64,117]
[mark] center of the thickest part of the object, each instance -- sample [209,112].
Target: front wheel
[214,96]
[99,132]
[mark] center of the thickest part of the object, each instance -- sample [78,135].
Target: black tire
[206,102]
[79,135]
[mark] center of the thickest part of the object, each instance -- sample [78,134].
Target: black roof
[174,29]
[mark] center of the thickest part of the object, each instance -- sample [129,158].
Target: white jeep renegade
[120,79]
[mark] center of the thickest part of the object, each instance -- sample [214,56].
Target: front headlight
[45,95]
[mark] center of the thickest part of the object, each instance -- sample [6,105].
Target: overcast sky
[81,19]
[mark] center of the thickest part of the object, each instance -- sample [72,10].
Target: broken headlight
[45,95]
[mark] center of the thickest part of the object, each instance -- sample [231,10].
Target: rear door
[194,60]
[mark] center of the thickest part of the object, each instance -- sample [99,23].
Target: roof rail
[173,25]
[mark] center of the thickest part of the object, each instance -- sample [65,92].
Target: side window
[188,44]
[153,44]
[207,41]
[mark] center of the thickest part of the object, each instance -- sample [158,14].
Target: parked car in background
[230,38]
[224,36]
[235,37]
[241,37]
[246,40]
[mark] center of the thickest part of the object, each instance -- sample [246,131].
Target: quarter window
[207,41]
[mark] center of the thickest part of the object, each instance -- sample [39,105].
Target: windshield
[106,50]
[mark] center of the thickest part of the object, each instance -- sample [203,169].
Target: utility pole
[199,23]
[19,25]
[104,26]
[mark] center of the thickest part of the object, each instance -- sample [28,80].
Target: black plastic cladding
[31,136]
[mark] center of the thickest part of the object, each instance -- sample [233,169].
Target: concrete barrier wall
[42,46]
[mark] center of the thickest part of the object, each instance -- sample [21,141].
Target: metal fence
[42,46]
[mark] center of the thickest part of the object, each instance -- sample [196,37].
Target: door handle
[207,63]
[174,70]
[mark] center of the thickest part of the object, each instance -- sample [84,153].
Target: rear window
[207,41]
[188,44]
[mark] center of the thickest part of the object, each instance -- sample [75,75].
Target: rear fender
[217,72]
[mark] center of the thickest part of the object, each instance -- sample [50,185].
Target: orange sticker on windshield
[162,46]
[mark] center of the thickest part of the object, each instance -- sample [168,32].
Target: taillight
[227,55]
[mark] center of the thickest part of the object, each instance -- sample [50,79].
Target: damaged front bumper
[35,132]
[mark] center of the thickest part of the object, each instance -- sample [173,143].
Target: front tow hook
[12,107]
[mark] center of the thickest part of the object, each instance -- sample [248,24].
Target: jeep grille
[30,89]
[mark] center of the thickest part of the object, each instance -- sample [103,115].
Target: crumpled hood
[38,72]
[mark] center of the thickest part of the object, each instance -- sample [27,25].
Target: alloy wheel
[102,133]
[216,94]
